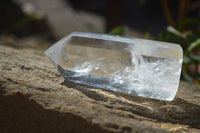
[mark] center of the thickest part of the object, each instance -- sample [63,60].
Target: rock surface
[35,98]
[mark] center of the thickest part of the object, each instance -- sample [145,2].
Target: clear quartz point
[135,66]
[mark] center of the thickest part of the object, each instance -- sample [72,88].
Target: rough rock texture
[35,98]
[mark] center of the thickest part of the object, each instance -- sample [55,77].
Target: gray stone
[34,98]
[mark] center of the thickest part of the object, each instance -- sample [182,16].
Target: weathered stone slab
[34,98]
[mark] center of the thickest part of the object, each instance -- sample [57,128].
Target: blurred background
[40,23]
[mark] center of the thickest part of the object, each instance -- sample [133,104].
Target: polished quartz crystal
[128,65]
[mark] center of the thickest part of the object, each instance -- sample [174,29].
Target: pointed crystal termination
[129,65]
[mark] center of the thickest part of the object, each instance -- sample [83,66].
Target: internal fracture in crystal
[129,65]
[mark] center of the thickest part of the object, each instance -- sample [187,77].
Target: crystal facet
[135,66]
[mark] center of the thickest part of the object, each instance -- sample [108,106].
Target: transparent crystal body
[129,65]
